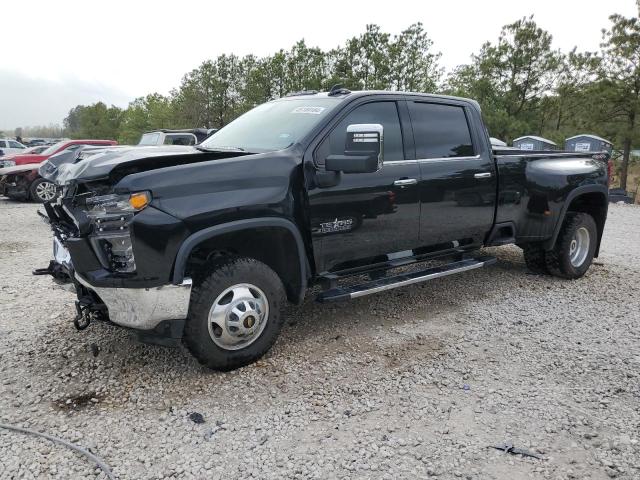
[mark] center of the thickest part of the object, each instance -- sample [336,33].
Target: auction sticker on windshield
[309,110]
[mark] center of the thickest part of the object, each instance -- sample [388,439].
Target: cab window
[440,131]
[384,113]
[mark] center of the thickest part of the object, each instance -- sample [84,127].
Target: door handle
[483,175]
[403,182]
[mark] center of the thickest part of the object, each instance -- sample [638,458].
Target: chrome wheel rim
[579,247]
[238,316]
[46,191]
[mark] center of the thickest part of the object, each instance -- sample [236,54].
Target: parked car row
[30,173]
[20,178]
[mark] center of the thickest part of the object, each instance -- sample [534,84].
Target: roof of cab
[364,93]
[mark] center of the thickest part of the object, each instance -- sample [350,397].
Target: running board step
[388,283]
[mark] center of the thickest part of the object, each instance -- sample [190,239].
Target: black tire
[559,260]
[535,258]
[227,272]
[35,191]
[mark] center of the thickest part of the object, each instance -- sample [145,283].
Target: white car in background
[9,146]
[187,136]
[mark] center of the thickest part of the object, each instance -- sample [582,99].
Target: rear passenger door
[457,178]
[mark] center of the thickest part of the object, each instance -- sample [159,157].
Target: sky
[69,52]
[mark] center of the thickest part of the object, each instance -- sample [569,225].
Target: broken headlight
[110,216]
[116,204]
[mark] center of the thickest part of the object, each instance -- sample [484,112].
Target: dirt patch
[77,401]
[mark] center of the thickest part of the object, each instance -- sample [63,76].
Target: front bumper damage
[157,314]
[14,186]
[143,308]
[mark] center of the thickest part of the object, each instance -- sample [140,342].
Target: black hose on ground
[103,466]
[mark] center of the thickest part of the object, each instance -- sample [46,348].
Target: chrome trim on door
[400,162]
[428,160]
[482,175]
[447,159]
[405,181]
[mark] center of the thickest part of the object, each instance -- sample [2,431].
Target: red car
[19,179]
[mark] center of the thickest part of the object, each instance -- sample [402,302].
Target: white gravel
[413,383]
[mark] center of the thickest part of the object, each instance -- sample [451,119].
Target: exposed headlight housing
[116,204]
[110,216]
[8,163]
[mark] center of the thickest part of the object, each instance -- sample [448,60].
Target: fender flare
[210,232]
[549,244]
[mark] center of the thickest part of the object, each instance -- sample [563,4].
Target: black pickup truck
[352,192]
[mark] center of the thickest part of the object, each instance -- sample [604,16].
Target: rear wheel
[42,190]
[535,258]
[575,247]
[235,314]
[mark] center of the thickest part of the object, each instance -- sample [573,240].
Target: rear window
[149,139]
[180,139]
[440,131]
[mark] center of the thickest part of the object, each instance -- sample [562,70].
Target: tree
[413,66]
[71,122]
[211,95]
[305,68]
[363,63]
[93,121]
[619,86]
[567,109]
[146,113]
[510,78]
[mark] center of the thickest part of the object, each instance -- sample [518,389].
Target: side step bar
[388,283]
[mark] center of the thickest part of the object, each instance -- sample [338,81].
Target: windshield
[53,148]
[272,126]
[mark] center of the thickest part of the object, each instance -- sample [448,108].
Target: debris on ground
[196,417]
[509,448]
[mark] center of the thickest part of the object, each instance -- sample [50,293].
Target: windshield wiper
[220,149]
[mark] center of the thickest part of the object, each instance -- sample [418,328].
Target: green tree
[413,66]
[71,122]
[510,78]
[211,95]
[99,121]
[568,108]
[306,67]
[146,113]
[619,87]
[364,62]
[93,121]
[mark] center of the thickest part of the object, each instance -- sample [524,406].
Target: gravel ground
[412,383]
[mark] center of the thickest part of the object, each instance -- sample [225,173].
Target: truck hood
[120,162]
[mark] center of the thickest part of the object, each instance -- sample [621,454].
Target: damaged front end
[89,306]
[93,253]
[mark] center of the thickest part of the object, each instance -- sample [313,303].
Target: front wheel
[575,247]
[235,314]
[42,190]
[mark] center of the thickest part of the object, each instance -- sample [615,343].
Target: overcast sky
[63,53]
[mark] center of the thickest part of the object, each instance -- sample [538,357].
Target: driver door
[362,217]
